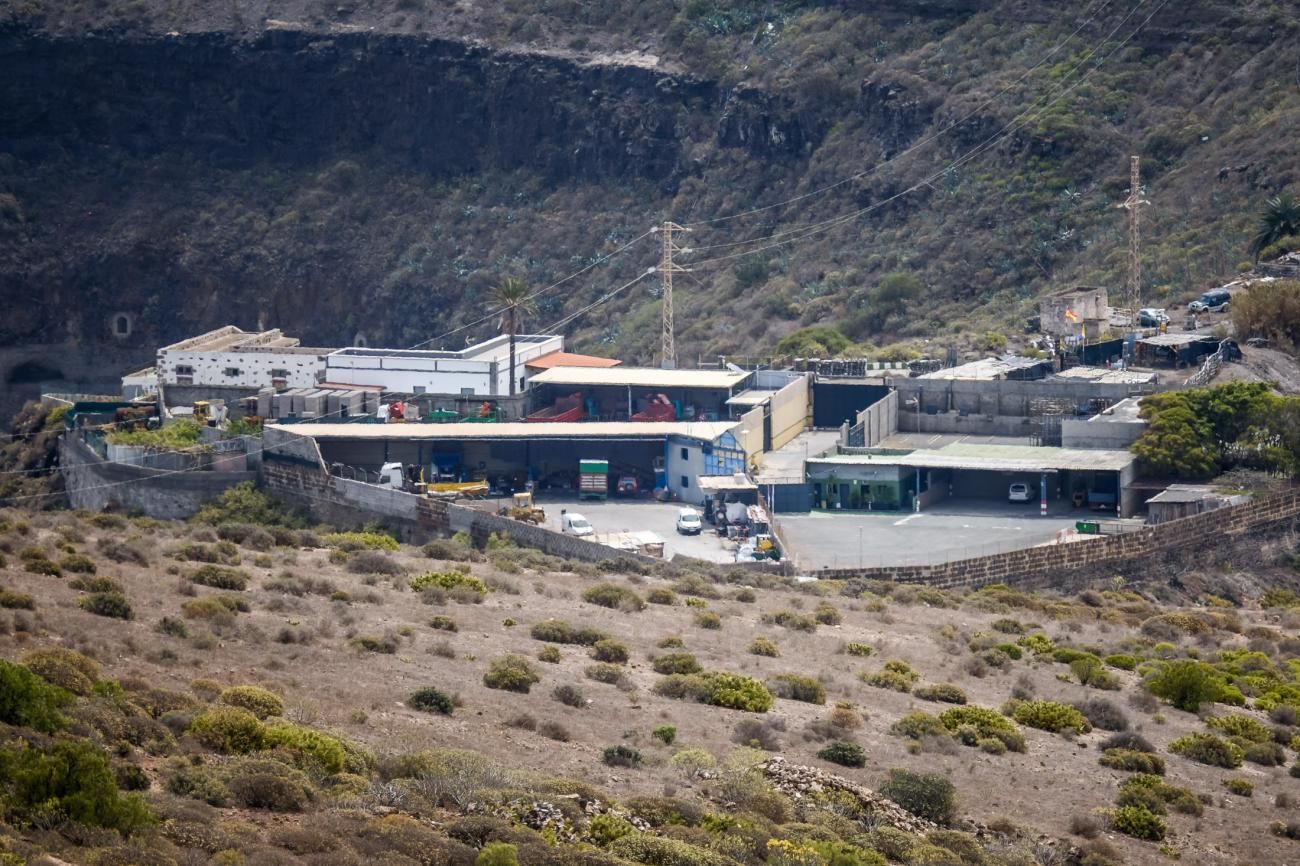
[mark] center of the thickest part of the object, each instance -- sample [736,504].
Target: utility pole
[1134,204]
[668,349]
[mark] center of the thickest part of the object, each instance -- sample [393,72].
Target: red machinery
[660,408]
[564,409]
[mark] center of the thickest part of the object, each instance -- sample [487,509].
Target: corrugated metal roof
[1177,339]
[640,377]
[719,483]
[706,431]
[751,398]
[986,368]
[1185,493]
[570,359]
[1107,377]
[994,458]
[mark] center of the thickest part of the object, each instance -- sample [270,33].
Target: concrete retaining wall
[1051,564]
[96,484]
[1000,398]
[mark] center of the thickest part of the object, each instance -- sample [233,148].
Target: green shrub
[1050,716]
[1138,822]
[268,785]
[1152,793]
[219,577]
[559,631]
[229,730]
[1009,650]
[859,649]
[63,667]
[549,654]
[442,622]
[609,650]
[1122,661]
[511,673]
[1265,754]
[707,619]
[661,596]
[218,609]
[28,701]
[448,580]
[827,614]
[973,723]
[16,600]
[77,564]
[844,753]
[1208,749]
[1131,761]
[613,596]
[916,725]
[386,645]
[603,672]
[604,829]
[621,756]
[797,688]
[1187,685]
[41,565]
[926,795]
[1038,643]
[732,691]
[96,584]
[311,749]
[945,693]
[66,781]
[1008,626]
[1241,727]
[109,604]
[1240,787]
[1090,672]
[244,503]
[671,641]
[791,620]
[663,851]
[761,646]
[896,675]
[676,663]
[257,700]
[431,700]
[354,541]
[665,734]
[499,854]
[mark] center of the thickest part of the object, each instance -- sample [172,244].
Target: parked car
[572,523]
[1018,492]
[1213,301]
[689,522]
[1151,317]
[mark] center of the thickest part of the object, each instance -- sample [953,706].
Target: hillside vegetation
[975,152]
[227,692]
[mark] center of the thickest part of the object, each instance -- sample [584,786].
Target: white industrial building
[481,370]
[232,358]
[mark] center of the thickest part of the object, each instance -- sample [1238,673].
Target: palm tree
[513,295]
[1280,219]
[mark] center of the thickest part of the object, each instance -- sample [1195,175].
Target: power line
[598,261]
[602,299]
[927,140]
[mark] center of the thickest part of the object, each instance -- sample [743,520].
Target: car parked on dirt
[1151,317]
[689,522]
[1213,301]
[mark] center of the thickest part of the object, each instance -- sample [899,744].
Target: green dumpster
[1087,527]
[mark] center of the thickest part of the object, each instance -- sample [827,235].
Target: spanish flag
[1071,316]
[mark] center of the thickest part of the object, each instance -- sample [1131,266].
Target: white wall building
[481,370]
[232,358]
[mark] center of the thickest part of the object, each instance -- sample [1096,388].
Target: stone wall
[96,484]
[1056,563]
[416,519]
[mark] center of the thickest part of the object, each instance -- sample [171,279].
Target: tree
[819,341]
[1176,443]
[1280,219]
[1193,434]
[513,296]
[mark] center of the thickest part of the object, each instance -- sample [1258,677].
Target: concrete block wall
[95,484]
[1050,563]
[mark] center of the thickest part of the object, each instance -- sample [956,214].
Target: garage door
[837,402]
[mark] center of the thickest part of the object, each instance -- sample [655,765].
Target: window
[233,371]
[121,325]
[686,455]
[523,383]
[467,392]
[419,389]
[281,374]
[686,482]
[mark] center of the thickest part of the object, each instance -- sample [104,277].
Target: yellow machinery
[522,508]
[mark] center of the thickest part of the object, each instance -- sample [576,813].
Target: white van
[572,523]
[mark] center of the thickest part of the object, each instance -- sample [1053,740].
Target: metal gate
[837,402]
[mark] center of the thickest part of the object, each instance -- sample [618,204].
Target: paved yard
[951,530]
[624,515]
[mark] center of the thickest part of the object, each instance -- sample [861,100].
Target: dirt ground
[1264,365]
[362,694]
